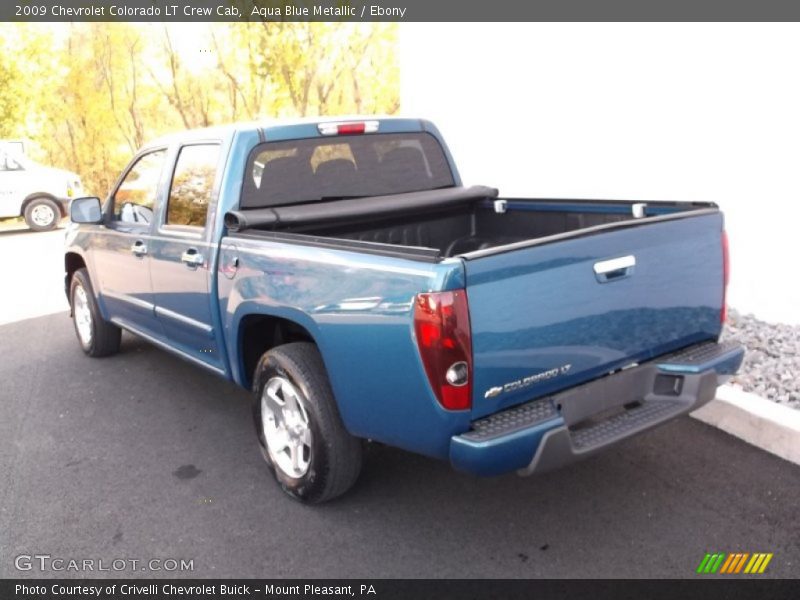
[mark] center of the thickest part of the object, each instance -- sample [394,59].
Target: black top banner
[398,10]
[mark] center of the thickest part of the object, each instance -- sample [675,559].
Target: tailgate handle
[614,268]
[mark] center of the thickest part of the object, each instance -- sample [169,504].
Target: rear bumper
[551,432]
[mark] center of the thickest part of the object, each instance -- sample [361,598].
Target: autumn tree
[10,101]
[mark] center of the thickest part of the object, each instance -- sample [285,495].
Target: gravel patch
[771,366]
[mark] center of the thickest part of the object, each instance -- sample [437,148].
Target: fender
[74,249]
[35,196]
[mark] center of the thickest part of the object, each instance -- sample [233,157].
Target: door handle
[614,269]
[192,258]
[139,248]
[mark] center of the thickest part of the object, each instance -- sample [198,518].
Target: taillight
[726,274]
[441,324]
[350,128]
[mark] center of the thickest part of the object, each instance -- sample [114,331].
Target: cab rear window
[309,170]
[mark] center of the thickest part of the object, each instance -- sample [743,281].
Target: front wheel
[42,214]
[97,336]
[300,433]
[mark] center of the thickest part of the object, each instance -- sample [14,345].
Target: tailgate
[554,315]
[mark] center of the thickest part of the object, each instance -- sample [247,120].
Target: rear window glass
[333,168]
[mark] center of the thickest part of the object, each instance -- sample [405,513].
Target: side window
[192,185]
[7,163]
[136,195]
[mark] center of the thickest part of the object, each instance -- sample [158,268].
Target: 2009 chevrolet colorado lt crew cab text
[341,271]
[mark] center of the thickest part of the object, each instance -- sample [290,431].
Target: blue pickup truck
[341,271]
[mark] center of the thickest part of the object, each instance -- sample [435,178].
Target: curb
[760,422]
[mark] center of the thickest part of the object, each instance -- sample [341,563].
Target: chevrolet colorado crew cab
[342,272]
[39,194]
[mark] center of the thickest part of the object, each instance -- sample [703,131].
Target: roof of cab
[263,125]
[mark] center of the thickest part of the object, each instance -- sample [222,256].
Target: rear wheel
[42,214]
[300,433]
[96,336]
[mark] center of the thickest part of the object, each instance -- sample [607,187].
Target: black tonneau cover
[374,206]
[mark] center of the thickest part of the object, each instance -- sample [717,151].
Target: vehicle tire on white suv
[42,214]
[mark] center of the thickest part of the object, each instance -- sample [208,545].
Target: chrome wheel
[284,423]
[43,215]
[82,315]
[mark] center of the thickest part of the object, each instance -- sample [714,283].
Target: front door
[182,255]
[123,247]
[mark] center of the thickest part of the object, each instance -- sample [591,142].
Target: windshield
[309,170]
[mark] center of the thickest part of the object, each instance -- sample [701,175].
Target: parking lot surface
[142,456]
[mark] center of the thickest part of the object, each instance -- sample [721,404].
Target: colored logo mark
[734,563]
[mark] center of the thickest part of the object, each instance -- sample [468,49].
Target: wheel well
[38,195]
[260,333]
[72,262]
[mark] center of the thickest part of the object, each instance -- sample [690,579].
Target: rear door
[182,254]
[547,317]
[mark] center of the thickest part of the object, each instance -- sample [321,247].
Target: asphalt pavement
[142,456]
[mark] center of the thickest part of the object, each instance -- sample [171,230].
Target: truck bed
[438,224]
[474,230]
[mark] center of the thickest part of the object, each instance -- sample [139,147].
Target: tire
[96,336]
[42,214]
[307,426]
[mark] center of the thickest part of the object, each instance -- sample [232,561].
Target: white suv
[38,193]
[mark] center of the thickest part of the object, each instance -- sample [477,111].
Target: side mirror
[86,210]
